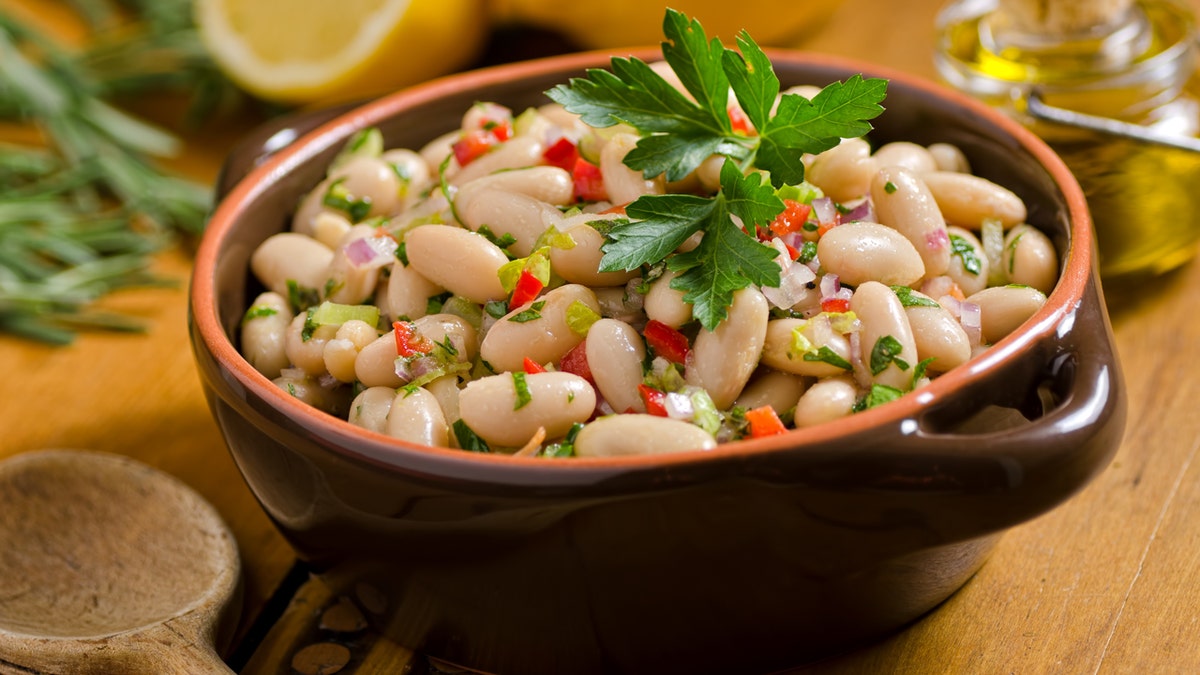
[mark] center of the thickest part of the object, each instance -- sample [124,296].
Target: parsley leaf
[679,133]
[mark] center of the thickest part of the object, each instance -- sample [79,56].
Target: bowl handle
[1015,472]
[268,139]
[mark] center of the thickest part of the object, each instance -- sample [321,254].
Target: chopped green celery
[804,193]
[365,143]
[538,263]
[524,123]
[580,317]
[704,412]
[553,238]
[463,308]
[992,236]
[335,314]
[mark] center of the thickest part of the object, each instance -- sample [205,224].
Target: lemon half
[323,51]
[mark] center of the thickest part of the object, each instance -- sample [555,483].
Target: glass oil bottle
[1106,66]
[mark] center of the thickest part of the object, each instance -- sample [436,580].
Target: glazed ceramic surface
[750,558]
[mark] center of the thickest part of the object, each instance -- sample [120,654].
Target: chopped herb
[435,303]
[258,312]
[310,326]
[522,389]
[565,447]
[447,346]
[467,438]
[966,252]
[920,370]
[364,143]
[496,308]
[338,197]
[678,133]
[402,253]
[908,298]
[808,252]
[879,394]
[889,187]
[502,241]
[826,355]
[1012,251]
[301,297]
[533,313]
[886,351]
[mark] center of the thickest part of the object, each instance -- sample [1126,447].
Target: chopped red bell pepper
[654,400]
[527,288]
[791,219]
[562,153]
[589,182]
[740,121]
[666,341]
[408,341]
[764,422]
[472,145]
[575,362]
[834,305]
[532,367]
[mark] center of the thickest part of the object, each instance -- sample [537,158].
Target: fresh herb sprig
[679,133]
[82,213]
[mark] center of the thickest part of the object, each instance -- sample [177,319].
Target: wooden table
[1104,584]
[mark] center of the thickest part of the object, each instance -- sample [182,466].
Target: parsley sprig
[678,133]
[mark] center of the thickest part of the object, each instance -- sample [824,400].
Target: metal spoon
[110,566]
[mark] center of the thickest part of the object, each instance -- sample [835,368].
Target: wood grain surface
[1103,584]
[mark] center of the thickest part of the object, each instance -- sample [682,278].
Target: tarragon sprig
[679,133]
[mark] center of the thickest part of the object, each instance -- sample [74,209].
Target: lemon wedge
[318,51]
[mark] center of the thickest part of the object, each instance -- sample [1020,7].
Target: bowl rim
[1075,275]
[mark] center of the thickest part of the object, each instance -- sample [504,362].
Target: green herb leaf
[879,394]
[959,246]
[886,351]
[909,298]
[467,438]
[522,390]
[533,313]
[827,355]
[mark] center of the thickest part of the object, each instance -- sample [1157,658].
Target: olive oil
[1132,61]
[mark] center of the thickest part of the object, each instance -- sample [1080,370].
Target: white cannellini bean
[544,339]
[725,358]
[967,200]
[265,333]
[623,183]
[445,389]
[458,260]
[308,354]
[640,434]
[548,184]
[883,316]
[915,158]
[863,251]
[516,153]
[557,400]
[968,282]
[844,171]
[778,349]
[937,334]
[949,157]
[665,304]
[615,353]
[288,256]
[581,263]
[413,172]
[462,335]
[1002,309]
[406,293]
[370,408]
[1030,258]
[376,363]
[341,352]
[827,400]
[774,388]
[416,417]
[903,202]
[512,213]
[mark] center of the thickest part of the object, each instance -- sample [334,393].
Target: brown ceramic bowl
[753,557]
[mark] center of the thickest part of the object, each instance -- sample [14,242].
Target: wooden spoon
[110,566]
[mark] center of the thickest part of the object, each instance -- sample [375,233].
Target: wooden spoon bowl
[108,565]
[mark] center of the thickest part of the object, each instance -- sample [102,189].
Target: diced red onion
[824,210]
[863,210]
[371,252]
[971,320]
[951,304]
[937,239]
[830,285]
[793,279]
[678,406]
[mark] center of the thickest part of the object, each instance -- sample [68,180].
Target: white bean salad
[454,295]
